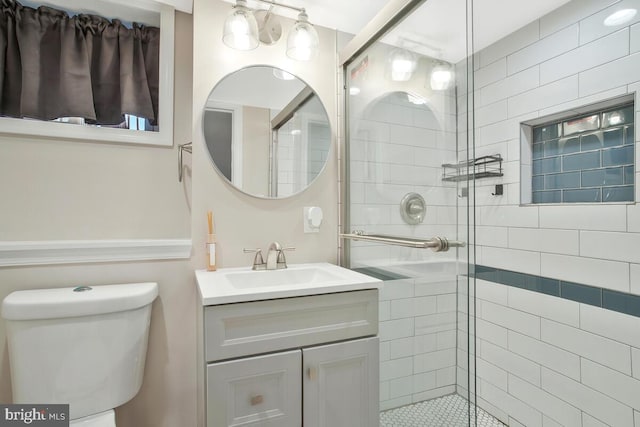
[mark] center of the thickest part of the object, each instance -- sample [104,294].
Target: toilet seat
[103,419]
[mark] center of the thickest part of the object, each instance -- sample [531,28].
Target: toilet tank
[81,346]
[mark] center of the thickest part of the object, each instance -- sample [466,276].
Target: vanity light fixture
[303,41]
[620,17]
[441,76]
[241,28]
[403,64]
[243,31]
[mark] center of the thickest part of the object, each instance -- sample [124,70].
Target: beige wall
[54,189]
[241,220]
[256,135]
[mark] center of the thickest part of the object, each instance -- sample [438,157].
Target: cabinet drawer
[263,390]
[242,329]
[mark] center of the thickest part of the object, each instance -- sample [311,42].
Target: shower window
[584,158]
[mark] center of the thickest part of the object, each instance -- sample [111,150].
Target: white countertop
[217,287]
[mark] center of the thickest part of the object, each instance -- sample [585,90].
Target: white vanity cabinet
[307,361]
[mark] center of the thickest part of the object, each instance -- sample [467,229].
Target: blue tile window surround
[600,297]
[588,159]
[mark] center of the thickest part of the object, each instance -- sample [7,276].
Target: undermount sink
[229,285]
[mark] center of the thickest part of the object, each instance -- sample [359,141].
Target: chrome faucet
[275,250]
[275,257]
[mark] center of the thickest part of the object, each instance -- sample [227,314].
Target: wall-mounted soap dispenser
[312,219]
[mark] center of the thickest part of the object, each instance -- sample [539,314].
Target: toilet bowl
[82,346]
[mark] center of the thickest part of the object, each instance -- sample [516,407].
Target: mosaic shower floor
[450,411]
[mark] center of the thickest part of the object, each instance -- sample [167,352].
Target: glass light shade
[241,28]
[303,41]
[403,64]
[441,77]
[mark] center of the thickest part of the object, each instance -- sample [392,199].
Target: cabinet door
[340,385]
[260,391]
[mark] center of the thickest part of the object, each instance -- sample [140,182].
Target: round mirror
[266,131]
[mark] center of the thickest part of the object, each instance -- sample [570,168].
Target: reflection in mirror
[266,131]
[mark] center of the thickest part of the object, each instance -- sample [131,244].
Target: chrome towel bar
[437,244]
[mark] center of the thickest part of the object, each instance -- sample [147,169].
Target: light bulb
[240,28]
[303,41]
[403,64]
[441,77]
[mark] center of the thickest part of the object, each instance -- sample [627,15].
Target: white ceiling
[436,28]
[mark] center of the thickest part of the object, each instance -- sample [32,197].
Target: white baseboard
[83,251]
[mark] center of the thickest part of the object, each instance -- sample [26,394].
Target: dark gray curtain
[53,65]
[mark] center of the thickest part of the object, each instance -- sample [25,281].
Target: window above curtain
[53,65]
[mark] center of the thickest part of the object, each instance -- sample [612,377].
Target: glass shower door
[408,190]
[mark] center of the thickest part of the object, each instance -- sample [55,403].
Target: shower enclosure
[511,143]
[408,212]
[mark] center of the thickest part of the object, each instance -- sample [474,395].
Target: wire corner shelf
[480,167]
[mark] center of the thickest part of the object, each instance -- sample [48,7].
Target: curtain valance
[54,65]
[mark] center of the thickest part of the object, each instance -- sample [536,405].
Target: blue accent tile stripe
[379,273]
[620,302]
[581,293]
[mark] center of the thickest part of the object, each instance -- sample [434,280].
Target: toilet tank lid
[74,302]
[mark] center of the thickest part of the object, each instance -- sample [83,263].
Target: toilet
[85,346]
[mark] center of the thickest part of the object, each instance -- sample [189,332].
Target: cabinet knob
[312,372]
[256,400]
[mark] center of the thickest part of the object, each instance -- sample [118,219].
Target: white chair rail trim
[18,253]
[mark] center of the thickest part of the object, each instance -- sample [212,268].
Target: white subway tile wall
[543,360]
[555,374]
[417,340]
[397,148]
[588,271]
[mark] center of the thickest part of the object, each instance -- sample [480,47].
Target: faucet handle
[281,258]
[258,261]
